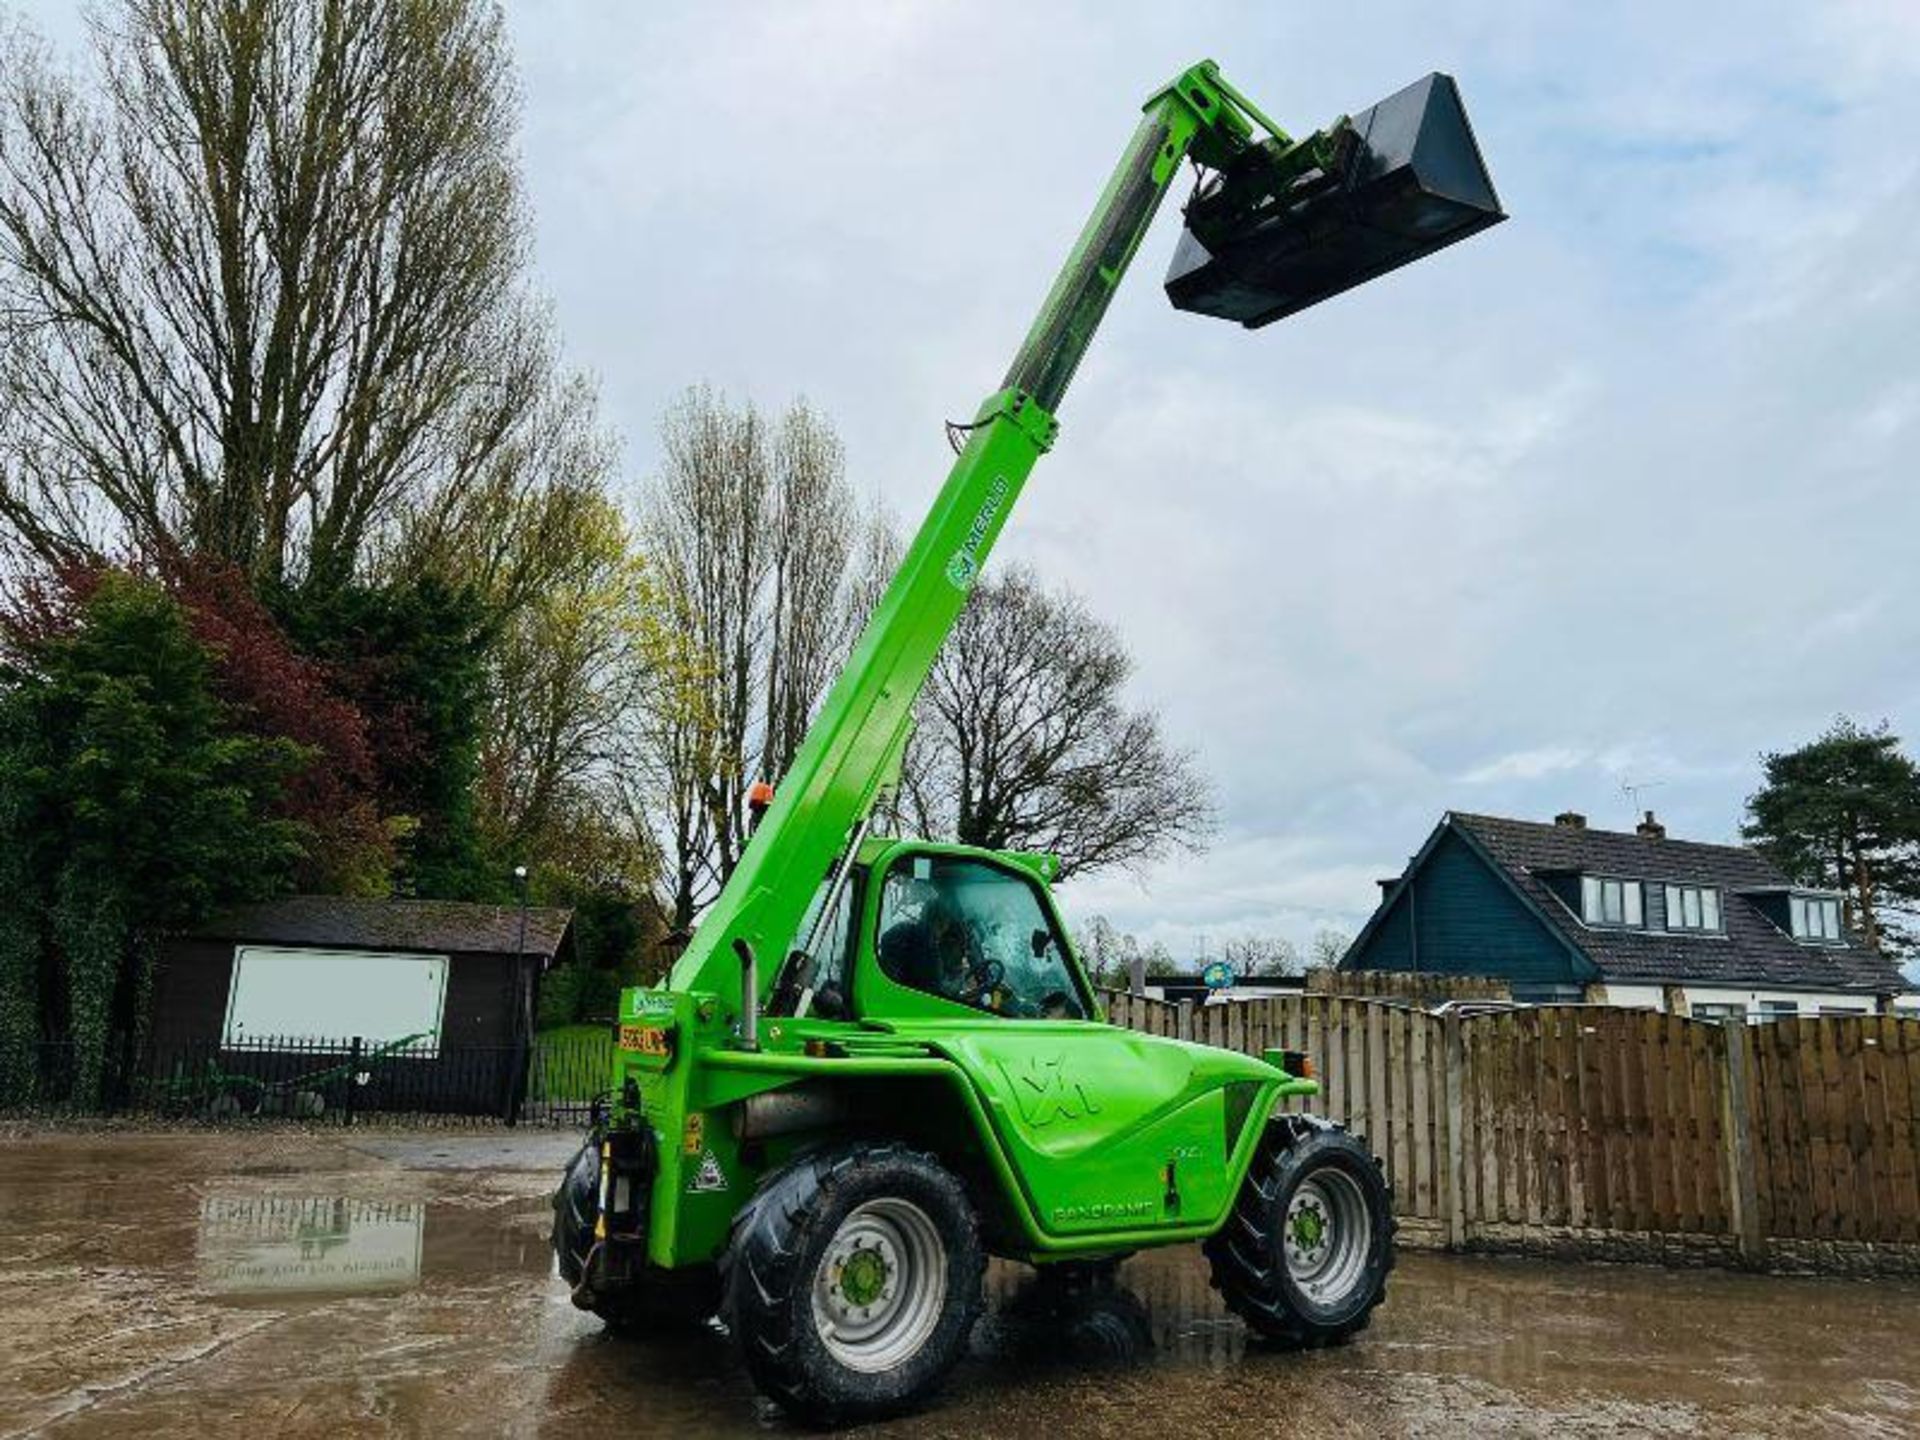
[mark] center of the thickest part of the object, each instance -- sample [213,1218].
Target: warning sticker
[707,1177]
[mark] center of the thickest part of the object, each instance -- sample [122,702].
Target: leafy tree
[564,782]
[1843,812]
[1160,963]
[411,657]
[273,692]
[1024,740]
[262,298]
[134,808]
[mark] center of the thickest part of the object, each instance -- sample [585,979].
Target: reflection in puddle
[254,1244]
[1156,1308]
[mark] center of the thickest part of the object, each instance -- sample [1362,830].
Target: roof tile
[357,924]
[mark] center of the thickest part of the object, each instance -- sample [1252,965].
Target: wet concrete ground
[288,1285]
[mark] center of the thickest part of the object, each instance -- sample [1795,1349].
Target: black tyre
[655,1300]
[1303,1259]
[574,1207]
[852,1281]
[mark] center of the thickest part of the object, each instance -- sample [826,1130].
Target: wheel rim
[881,1285]
[1328,1237]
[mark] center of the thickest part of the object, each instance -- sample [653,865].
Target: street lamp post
[523,1006]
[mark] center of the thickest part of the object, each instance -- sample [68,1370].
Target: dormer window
[1816,918]
[1611,902]
[1693,907]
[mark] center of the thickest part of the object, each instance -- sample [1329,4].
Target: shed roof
[1753,952]
[440,926]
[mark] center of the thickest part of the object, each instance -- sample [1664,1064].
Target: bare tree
[1025,741]
[809,620]
[757,546]
[1261,957]
[261,297]
[1107,951]
[1329,947]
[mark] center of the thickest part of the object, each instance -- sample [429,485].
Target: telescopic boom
[1279,225]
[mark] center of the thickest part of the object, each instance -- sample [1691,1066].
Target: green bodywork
[1078,1138]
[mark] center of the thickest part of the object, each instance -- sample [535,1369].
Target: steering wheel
[985,978]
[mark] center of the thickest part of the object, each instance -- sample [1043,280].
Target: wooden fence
[1592,1129]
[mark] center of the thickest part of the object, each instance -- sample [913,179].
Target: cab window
[972,932]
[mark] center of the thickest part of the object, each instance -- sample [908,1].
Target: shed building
[439,994]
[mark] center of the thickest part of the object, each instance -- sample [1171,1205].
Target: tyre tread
[762,1269]
[1247,1273]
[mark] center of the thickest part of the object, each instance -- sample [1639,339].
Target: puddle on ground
[281,1245]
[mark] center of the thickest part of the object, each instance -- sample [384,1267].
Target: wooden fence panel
[1584,1118]
[1903,1184]
[1836,1128]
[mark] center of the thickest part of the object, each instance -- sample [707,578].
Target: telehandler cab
[878,1061]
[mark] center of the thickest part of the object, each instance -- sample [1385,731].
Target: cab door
[1107,1129]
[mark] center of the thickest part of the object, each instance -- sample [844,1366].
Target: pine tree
[1843,812]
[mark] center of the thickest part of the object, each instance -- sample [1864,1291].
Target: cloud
[1528,765]
[1620,491]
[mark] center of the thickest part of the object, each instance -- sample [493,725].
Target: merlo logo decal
[1045,1093]
[964,566]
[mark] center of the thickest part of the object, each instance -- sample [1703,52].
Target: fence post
[1454,1172]
[353,1076]
[1184,1025]
[1736,1130]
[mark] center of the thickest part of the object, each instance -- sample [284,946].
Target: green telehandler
[878,1061]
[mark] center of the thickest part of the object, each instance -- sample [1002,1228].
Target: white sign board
[284,994]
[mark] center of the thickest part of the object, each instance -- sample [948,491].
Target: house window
[1779,1009]
[1721,1013]
[1693,907]
[1815,917]
[1610,902]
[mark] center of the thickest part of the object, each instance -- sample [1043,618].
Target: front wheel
[853,1281]
[1303,1259]
[649,1303]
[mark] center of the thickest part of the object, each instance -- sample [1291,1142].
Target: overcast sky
[1622,492]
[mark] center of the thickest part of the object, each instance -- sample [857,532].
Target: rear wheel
[1304,1257]
[853,1281]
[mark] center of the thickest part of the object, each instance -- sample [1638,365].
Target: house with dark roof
[1564,912]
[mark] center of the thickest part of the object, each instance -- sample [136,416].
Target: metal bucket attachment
[1275,232]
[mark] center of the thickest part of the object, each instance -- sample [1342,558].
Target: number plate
[647,1039]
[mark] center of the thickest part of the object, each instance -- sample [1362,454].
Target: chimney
[1650,828]
[1570,820]
[1386,886]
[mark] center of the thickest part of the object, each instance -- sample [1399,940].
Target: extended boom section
[837,773]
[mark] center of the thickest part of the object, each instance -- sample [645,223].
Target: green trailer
[879,1062]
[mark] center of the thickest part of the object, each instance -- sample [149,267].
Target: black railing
[552,1081]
